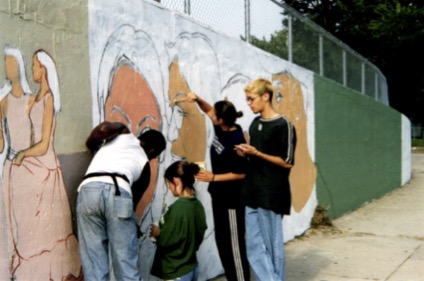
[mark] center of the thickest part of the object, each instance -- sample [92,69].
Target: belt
[113,176]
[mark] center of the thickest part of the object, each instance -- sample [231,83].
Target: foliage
[417,142]
[388,33]
[305,44]
[277,45]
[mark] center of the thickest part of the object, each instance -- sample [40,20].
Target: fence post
[376,85]
[344,68]
[321,55]
[363,78]
[290,27]
[247,20]
[187,7]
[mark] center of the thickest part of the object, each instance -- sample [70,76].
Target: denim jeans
[107,223]
[191,276]
[264,244]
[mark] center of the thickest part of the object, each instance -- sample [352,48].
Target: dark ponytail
[183,170]
[226,111]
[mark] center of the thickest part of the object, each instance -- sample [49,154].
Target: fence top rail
[325,33]
[201,11]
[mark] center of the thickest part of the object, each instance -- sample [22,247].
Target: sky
[228,16]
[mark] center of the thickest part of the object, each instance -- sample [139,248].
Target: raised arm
[204,105]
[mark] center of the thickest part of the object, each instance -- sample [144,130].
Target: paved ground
[383,240]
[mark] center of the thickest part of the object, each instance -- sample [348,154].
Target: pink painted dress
[17,136]
[46,247]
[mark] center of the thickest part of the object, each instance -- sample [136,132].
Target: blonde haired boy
[266,193]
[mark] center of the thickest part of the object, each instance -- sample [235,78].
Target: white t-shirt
[122,155]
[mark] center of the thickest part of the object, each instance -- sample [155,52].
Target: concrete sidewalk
[383,240]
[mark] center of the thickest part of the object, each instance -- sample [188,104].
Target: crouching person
[115,180]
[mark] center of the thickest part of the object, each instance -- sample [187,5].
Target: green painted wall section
[358,148]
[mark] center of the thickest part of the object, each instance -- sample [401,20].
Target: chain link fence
[279,29]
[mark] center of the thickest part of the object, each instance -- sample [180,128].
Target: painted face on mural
[37,70]
[11,68]
[132,102]
[189,138]
[288,101]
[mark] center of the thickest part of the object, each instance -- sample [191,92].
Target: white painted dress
[46,247]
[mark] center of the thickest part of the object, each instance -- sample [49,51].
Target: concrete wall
[358,148]
[164,58]
[129,61]
[37,238]
[61,28]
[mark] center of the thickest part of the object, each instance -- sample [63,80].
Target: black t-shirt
[140,186]
[225,160]
[267,185]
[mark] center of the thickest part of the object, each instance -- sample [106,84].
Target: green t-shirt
[181,234]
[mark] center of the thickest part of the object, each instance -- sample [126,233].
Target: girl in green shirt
[181,231]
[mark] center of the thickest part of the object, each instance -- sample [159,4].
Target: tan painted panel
[191,141]
[288,100]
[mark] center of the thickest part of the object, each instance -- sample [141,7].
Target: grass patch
[321,218]
[321,224]
[417,142]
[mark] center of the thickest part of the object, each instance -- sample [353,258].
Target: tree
[389,33]
[277,44]
[305,44]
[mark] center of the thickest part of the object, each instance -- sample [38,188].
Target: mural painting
[184,146]
[288,100]
[124,92]
[141,73]
[233,91]
[140,69]
[39,242]
[142,58]
[187,54]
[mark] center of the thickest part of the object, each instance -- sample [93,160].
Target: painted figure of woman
[16,125]
[44,243]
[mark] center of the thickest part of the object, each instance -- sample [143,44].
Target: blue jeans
[107,223]
[191,276]
[264,244]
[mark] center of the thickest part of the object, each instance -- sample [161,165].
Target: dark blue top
[225,160]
